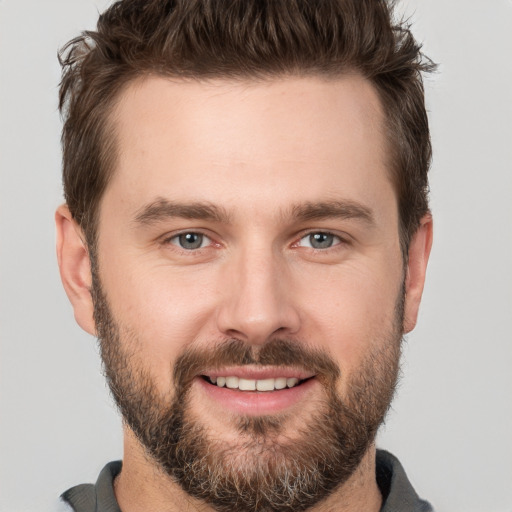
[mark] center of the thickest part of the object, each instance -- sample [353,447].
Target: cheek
[163,311]
[351,311]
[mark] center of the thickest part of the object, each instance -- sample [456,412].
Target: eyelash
[338,240]
[176,236]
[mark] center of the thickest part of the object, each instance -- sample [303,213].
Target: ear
[75,268]
[419,252]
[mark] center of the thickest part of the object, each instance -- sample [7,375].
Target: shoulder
[93,497]
[397,491]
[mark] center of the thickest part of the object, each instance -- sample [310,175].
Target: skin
[254,150]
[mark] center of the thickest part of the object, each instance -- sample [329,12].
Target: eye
[319,240]
[190,241]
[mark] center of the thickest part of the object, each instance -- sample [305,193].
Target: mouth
[245,384]
[257,392]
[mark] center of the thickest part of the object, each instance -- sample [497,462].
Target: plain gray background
[451,423]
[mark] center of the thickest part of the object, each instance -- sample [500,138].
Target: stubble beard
[265,471]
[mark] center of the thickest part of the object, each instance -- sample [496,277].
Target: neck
[142,485]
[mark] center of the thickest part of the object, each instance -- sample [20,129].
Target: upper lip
[259,373]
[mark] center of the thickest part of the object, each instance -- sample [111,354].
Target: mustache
[235,352]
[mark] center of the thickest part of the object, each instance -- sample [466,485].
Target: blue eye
[319,240]
[190,241]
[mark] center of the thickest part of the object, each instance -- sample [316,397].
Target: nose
[258,300]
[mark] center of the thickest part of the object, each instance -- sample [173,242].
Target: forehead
[202,140]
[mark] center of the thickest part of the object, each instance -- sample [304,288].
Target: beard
[268,469]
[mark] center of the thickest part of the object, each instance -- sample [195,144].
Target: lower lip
[257,403]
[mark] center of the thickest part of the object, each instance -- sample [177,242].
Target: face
[249,286]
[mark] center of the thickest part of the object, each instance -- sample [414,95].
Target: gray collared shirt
[398,494]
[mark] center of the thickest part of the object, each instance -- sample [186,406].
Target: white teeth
[265,385]
[246,385]
[291,382]
[232,382]
[280,383]
[253,385]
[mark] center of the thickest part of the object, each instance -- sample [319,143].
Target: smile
[256,391]
[242,384]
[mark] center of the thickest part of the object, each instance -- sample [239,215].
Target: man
[246,230]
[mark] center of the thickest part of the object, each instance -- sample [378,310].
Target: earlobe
[419,252]
[75,267]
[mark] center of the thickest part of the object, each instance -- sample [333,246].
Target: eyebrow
[162,209]
[333,209]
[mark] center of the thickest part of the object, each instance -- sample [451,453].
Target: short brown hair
[241,39]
